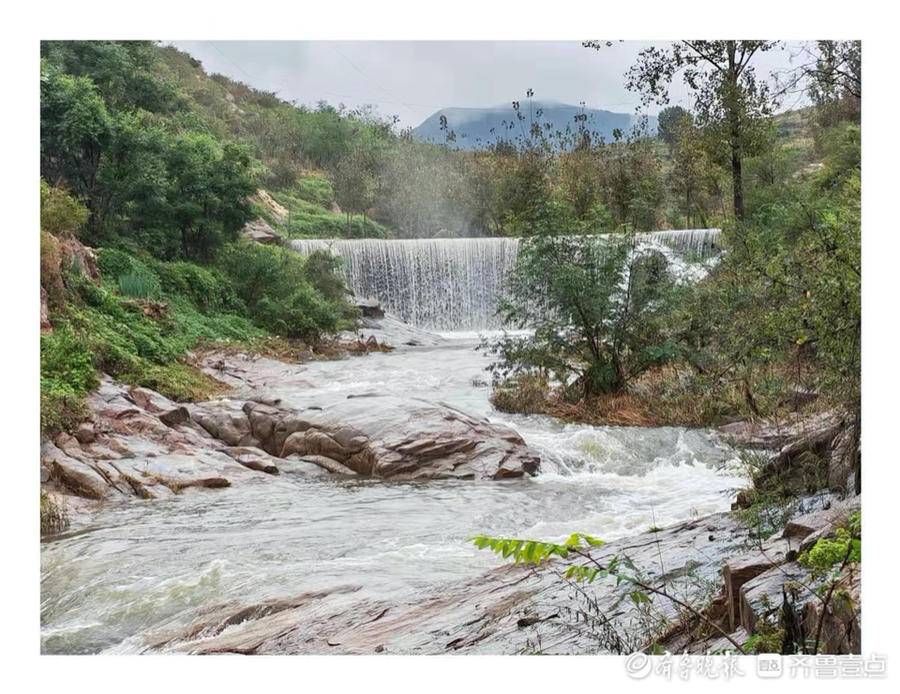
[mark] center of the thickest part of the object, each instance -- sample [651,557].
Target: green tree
[632,181]
[354,183]
[597,306]
[127,73]
[729,101]
[671,120]
[76,128]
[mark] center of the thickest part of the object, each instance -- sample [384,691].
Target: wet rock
[369,308]
[390,330]
[763,597]
[253,458]
[175,417]
[820,523]
[328,464]
[233,628]
[841,626]
[737,571]
[844,463]
[511,609]
[84,433]
[385,436]
[229,426]
[775,434]
[146,399]
[73,474]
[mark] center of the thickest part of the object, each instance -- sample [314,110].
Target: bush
[274,284]
[526,394]
[60,212]
[139,285]
[67,375]
[207,288]
[599,309]
[113,263]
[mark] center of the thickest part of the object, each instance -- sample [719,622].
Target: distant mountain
[479,127]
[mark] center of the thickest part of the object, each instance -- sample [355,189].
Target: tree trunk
[734,123]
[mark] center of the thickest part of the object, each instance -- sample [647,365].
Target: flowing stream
[148,565]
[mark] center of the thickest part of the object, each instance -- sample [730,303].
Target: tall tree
[729,100]
[670,121]
[835,80]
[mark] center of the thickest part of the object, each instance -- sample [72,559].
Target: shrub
[67,375]
[208,288]
[54,516]
[139,285]
[525,394]
[831,552]
[113,263]
[274,284]
[60,212]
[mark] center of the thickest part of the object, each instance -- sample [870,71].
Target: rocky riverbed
[326,507]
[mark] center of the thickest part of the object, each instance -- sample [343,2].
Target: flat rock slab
[511,609]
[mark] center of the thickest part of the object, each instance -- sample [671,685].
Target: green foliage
[206,287]
[309,220]
[792,272]
[275,286]
[113,263]
[314,188]
[767,638]
[833,552]
[671,121]
[67,375]
[533,551]
[60,212]
[108,133]
[598,309]
[138,285]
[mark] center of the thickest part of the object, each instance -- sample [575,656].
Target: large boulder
[258,230]
[378,436]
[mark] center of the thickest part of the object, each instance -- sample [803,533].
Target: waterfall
[456,283]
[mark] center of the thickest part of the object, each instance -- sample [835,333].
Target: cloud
[413,79]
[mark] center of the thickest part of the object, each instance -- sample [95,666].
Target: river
[146,565]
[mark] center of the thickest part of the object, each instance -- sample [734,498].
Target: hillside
[476,128]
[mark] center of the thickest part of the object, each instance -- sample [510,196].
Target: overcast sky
[413,79]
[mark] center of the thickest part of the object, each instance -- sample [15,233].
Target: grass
[308,219]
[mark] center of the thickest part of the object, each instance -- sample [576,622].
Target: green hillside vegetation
[154,164]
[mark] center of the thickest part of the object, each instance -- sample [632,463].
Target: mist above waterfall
[457,284]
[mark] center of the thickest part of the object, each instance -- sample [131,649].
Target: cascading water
[456,284]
